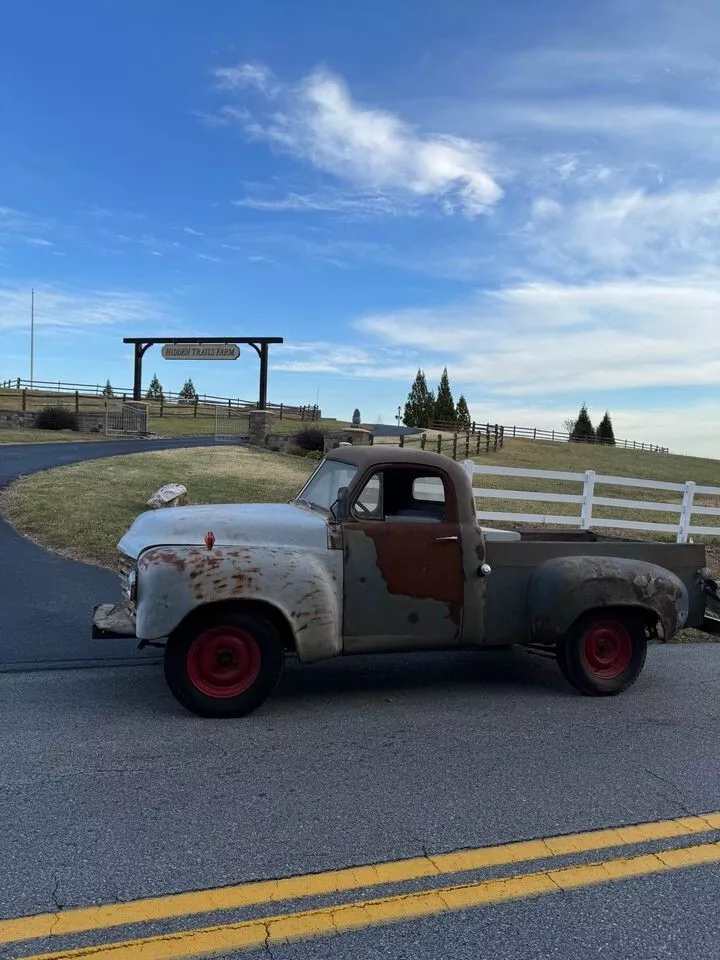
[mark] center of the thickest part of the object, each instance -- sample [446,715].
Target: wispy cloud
[318,120]
[76,309]
[192,232]
[18,225]
[207,256]
[603,336]
[355,205]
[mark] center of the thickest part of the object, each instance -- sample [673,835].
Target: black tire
[224,663]
[603,653]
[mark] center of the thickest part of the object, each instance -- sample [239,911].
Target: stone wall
[24,420]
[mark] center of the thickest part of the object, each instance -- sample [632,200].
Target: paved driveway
[47,601]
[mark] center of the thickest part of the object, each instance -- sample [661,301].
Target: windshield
[322,488]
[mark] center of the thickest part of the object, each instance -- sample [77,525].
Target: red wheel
[223,662]
[608,649]
[604,651]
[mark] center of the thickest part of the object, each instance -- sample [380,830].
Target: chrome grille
[125,566]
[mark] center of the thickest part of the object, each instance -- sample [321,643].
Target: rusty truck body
[382,552]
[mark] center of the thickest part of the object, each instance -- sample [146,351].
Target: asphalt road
[47,601]
[110,792]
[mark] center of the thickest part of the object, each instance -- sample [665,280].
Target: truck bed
[514,561]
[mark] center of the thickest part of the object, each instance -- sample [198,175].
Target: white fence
[587,500]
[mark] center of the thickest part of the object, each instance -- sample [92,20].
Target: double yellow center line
[279,928]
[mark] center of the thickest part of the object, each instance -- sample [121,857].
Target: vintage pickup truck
[381,551]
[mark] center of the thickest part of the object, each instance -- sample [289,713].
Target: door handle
[446,539]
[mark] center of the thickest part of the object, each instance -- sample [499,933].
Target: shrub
[356,418]
[310,439]
[56,418]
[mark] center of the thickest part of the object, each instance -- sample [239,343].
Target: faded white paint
[233,524]
[303,583]
[277,554]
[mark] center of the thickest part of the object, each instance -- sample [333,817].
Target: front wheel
[224,664]
[604,652]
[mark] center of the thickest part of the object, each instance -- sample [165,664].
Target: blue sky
[525,192]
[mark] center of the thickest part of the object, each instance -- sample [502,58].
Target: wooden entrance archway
[259,344]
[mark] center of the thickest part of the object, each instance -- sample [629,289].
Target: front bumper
[113,621]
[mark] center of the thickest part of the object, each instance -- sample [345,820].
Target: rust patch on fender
[153,558]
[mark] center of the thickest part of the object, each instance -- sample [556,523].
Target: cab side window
[400,495]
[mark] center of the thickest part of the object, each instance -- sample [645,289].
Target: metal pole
[32,336]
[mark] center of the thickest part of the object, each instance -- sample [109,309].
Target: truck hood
[272,524]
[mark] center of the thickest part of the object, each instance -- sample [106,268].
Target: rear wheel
[224,664]
[604,652]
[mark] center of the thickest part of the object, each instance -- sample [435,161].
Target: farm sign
[200,351]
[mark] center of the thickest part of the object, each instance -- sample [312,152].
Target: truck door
[403,582]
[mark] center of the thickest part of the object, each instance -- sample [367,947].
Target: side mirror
[340,508]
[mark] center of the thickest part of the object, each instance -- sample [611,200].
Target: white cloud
[366,147]
[38,241]
[193,233]
[548,338]
[74,310]
[246,75]
[544,208]
[668,231]
[207,256]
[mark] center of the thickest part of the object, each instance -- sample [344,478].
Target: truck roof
[364,456]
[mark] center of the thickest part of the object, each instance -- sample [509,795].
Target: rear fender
[304,585]
[563,589]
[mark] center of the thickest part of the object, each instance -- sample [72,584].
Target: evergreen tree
[108,390]
[356,418]
[155,390]
[604,432]
[444,405]
[462,415]
[583,431]
[188,394]
[420,403]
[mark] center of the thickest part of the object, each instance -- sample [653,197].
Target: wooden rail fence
[538,433]
[79,396]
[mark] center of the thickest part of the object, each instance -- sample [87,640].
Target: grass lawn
[47,436]
[82,510]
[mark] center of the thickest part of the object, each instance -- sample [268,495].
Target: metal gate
[232,426]
[126,420]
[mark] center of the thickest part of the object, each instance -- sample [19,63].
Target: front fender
[304,585]
[562,589]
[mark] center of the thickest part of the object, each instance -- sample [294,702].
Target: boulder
[171,495]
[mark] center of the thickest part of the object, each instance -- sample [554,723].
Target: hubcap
[608,649]
[223,662]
